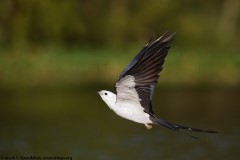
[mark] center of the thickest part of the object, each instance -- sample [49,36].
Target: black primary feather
[146,66]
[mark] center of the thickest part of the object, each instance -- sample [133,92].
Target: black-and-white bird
[136,83]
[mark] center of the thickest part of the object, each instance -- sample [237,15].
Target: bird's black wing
[138,79]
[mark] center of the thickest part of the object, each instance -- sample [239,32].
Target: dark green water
[73,121]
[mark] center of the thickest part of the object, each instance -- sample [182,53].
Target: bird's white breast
[132,111]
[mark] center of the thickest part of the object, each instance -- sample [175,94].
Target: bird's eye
[105,93]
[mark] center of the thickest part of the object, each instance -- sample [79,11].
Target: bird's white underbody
[127,109]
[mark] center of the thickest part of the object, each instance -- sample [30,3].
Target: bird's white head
[108,97]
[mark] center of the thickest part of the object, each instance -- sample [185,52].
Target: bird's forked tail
[177,127]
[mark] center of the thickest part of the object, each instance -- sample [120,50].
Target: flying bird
[135,86]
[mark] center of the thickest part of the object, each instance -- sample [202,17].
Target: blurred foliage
[71,67]
[116,22]
[58,41]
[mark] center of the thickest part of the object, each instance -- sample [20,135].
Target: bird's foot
[148,126]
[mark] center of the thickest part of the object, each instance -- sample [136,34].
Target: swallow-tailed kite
[136,83]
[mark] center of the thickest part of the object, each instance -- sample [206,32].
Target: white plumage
[125,108]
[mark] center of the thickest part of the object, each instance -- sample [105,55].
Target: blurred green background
[56,55]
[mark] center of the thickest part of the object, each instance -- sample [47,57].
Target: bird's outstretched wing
[138,79]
